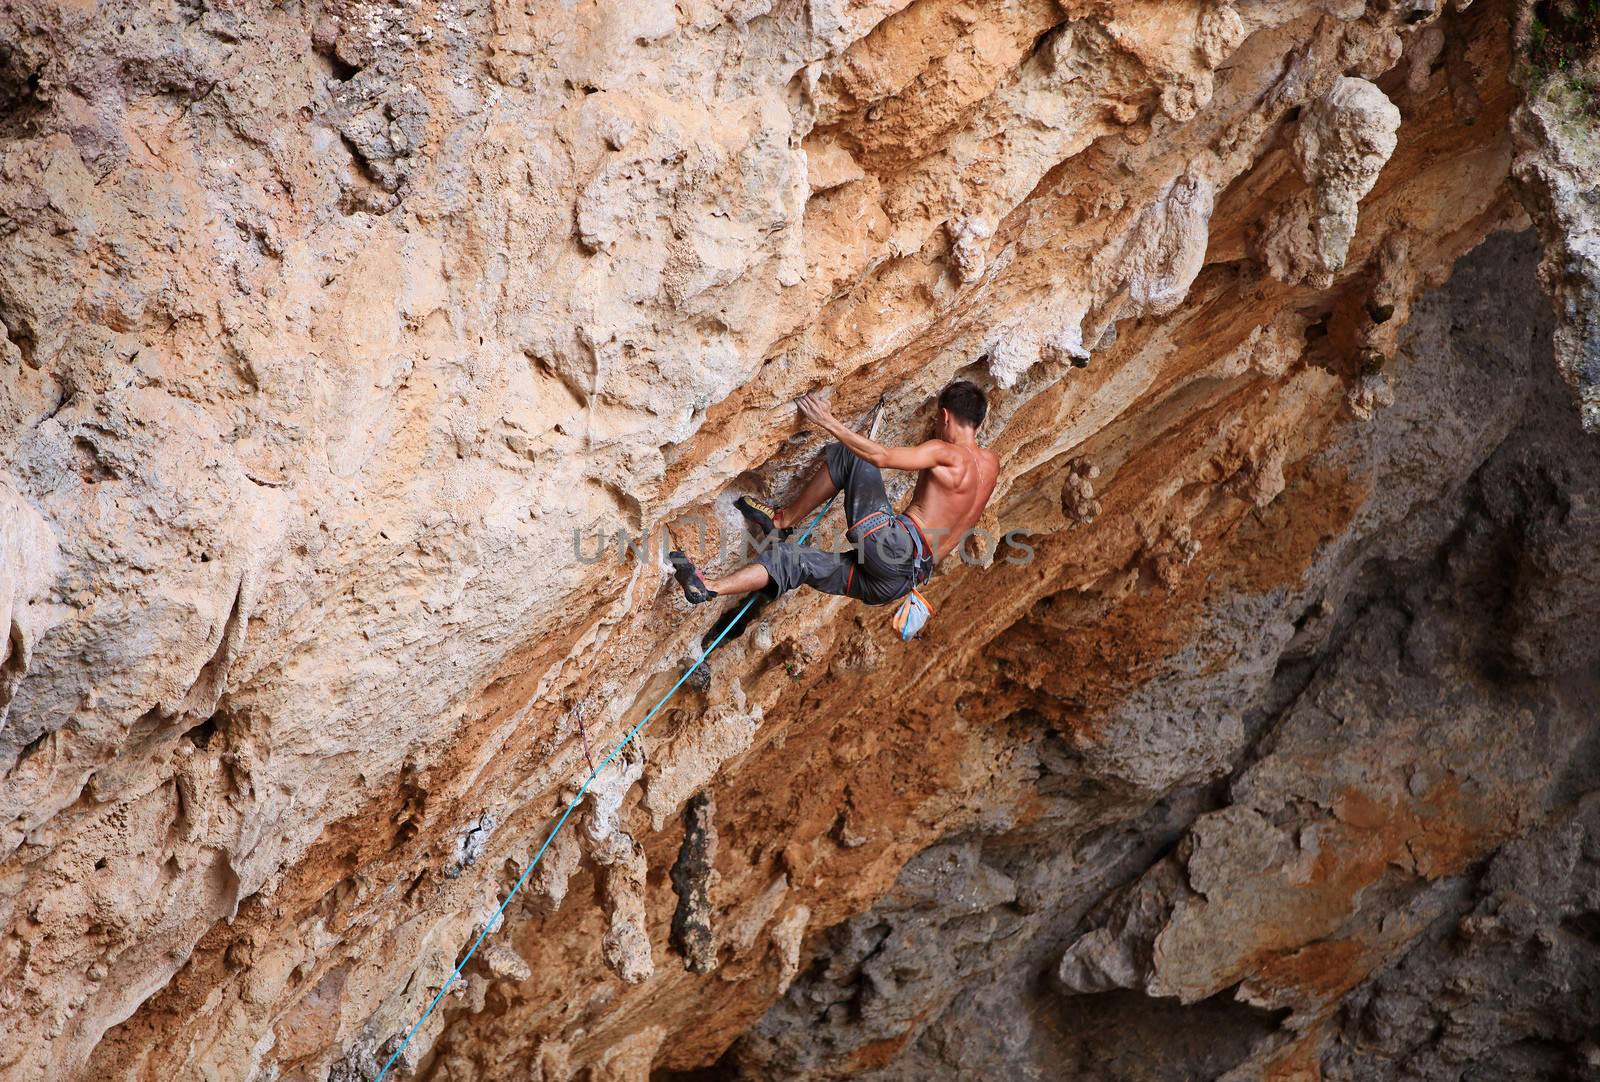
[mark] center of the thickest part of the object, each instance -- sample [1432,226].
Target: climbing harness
[922,570]
[523,878]
[921,563]
[914,610]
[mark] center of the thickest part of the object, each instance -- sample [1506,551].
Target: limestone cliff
[340,333]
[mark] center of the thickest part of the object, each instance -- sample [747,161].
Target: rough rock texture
[693,935]
[1430,693]
[1341,144]
[338,335]
[1557,169]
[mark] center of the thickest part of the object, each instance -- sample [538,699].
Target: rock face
[1555,168]
[358,355]
[1340,145]
[1432,697]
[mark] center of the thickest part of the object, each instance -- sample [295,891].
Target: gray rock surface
[1431,694]
[1558,160]
[329,326]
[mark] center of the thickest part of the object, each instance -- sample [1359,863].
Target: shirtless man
[892,554]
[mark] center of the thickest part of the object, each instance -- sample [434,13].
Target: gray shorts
[882,568]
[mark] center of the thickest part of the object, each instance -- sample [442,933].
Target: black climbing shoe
[762,516]
[694,591]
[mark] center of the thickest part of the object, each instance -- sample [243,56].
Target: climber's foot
[694,590]
[763,516]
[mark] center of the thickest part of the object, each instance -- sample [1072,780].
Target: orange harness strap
[887,519]
[926,544]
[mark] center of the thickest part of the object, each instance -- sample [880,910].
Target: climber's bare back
[950,497]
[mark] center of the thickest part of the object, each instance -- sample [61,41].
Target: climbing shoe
[694,590]
[763,516]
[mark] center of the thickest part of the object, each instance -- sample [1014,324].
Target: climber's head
[961,408]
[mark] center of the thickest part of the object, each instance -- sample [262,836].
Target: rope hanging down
[631,733]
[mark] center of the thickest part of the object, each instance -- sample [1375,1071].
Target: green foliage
[1562,40]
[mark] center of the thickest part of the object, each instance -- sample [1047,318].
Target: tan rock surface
[333,333]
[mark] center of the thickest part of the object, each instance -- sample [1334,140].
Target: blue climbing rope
[489,926]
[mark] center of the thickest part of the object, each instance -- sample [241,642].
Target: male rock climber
[892,554]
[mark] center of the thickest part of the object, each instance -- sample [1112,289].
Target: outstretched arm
[924,456]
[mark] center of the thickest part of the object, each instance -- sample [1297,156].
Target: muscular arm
[924,456]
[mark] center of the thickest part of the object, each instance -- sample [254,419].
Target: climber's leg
[790,565]
[859,480]
[786,565]
[748,579]
[819,488]
[781,567]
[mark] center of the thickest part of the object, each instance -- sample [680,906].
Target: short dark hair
[966,400]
